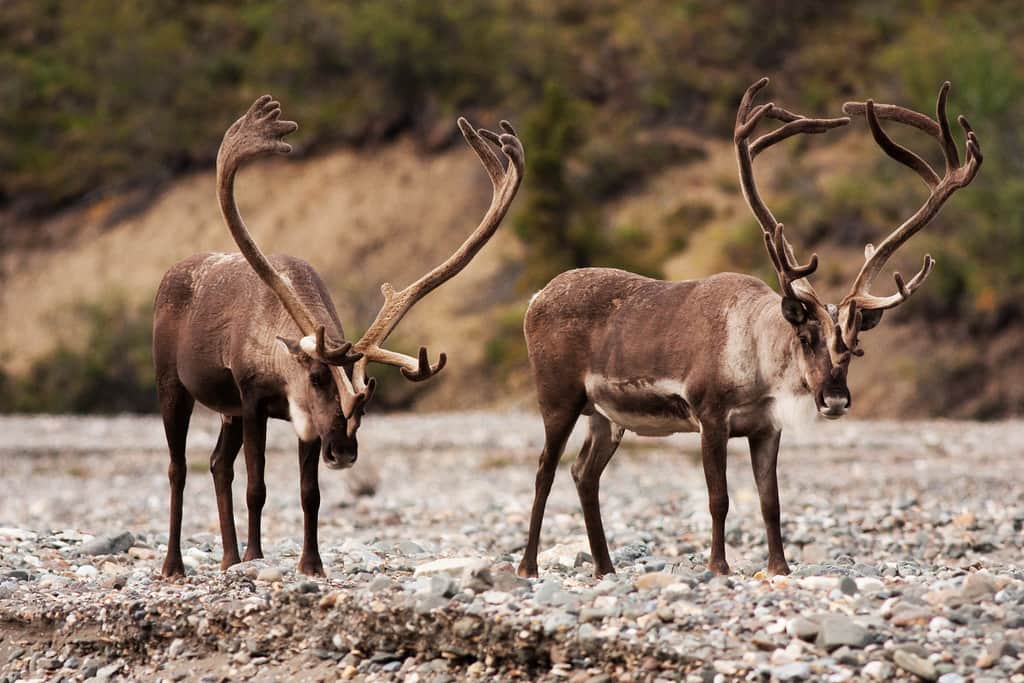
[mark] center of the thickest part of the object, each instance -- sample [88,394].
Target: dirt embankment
[389,214]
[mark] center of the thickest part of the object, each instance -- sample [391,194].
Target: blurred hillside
[112,112]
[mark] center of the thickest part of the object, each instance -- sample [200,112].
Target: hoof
[778,569]
[312,567]
[173,567]
[527,572]
[719,568]
[229,562]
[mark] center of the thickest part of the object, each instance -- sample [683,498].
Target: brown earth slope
[388,214]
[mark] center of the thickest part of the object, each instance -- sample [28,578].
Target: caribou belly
[645,406]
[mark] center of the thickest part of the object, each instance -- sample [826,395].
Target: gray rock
[546,590]
[467,627]
[428,603]
[380,583]
[109,544]
[409,548]
[589,636]
[951,677]
[845,655]
[176,648]
[803,628]
[109,670]
[877,670]
[848,586]
[978,586]
[588,614]
[557,621]
[911,663]
[838,630]
[796,671]
[306,587]
[477,577]
[442,585]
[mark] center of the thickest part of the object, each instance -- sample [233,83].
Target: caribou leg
[600,446]
[558,426]
[309,488]
[764,456]
[176,408]
[254,431]
[222,466]
[714,439]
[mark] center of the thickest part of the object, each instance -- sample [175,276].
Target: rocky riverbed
[905,540]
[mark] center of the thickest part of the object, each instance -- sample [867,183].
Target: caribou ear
[292,346]
[793,311]
[870,318]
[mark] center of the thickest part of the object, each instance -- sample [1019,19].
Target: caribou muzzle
[833,402]
[340,456]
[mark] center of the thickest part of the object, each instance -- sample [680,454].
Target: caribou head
[826,336]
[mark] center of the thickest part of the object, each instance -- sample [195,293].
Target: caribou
[255,337]
[725,356]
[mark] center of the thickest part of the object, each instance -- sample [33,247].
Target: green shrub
[106,369]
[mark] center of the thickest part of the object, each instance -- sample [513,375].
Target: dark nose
[339,457]
[834,403]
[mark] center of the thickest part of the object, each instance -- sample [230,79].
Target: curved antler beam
[505,181]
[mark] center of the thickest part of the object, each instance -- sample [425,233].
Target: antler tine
[795,126]
[957,175]
[505,182]
[338,355]
[789,271]
[948,144]
[898,151]
[425,370]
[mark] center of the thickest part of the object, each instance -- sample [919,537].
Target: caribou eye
[318,379]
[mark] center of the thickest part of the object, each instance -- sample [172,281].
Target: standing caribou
[724,356]
[252,352]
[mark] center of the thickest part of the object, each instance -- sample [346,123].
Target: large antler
[791,274]
[505,182]
[259,132]
[957,175]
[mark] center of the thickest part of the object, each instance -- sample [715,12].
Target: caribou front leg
[309,490]
[714,440]
[764,457]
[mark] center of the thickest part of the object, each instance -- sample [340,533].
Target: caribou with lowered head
[253,338]
[724,356]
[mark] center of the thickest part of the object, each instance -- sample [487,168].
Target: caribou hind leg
[600,446]
[222,466]
[558,424]
[176,408]
[309,491]
[254,438]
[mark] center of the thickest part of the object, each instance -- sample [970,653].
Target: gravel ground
[905,540]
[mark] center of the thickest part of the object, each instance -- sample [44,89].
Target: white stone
[87,571]
[563,554]
[453,566]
